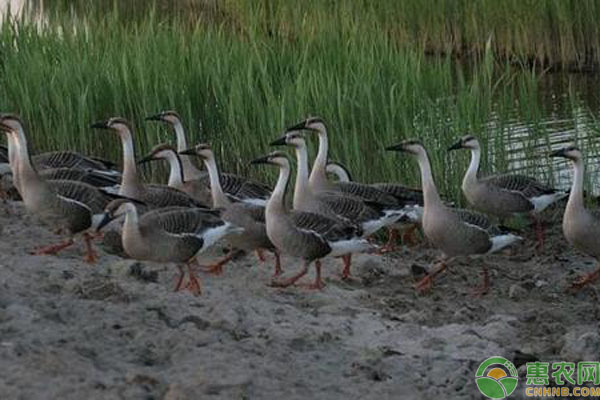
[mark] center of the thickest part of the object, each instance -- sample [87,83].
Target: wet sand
[116,330]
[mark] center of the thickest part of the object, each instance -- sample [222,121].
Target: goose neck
[430,193]
[576,195]
[189,169]
[318,176]
[276,203]
[130,185]
[471,175]
[218,196]
[176,177]
[301,188]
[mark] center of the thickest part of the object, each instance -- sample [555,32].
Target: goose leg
[391,243]
[346,271]
[539,232]
[53,248]
[260,255]
[91,256]
[318,283]
[409,235]
[278,269]
[293,279]
[485,288]
[217,267]
[585,280]
[179,278]
[193,285]
[426,284]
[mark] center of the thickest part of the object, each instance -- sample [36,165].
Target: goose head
[12,121]
[163,151]
[116,124]
[413,147]
[276,158]
[569,152]
[314,124]
[339,170]
[116,209]
[292,138]
[202,151]
[170,117]
[466,142]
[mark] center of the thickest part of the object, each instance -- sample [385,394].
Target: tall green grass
[246,70]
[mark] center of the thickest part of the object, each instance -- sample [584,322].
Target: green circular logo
[496,378]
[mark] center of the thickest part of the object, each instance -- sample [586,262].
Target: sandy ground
[116,330]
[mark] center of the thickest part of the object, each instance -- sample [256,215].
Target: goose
[456,232]
[581,226]
[318,180]
[504,195]
[248,216]
[402,193]
[172,118]
[55,164]
[172,234]
[305,235]
[241,188]
[69,206]
[153,195]
[196,188]
[369,217]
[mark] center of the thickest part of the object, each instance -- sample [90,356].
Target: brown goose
[504,195]
[248,216]
[153,195]
[68,206]
[172,118]
[173,234]
[581,226]
[302,234]
[239,187]
[196,188]
[455,232]
[318,180]
[369,217]
[67,165]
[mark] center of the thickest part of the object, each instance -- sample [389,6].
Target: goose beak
[189,152]
[5,128]
[260,160]
[278,142]
[146,159]
[456,146]
[559,153]
[100,125]
[105,221]
[298,127]
[396,147]
[156,117]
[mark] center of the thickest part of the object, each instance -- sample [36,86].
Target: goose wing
[243,188]
[181,220]
[366,192]
[327,229]
[160,196]
[3,154]
[527,186]
[80,192]
[349,208]
[68,159]
[86,176]
[403,194]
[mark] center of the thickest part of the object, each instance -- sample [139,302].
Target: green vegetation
[247,69]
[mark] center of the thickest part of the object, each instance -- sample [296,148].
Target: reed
[245,70]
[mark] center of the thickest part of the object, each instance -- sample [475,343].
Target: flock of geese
[76,194]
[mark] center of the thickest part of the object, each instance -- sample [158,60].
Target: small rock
[516,291]
[581,346]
